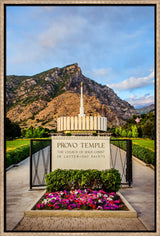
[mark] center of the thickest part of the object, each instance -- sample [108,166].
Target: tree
[124,133]
[129,134]
[134,131]
[12,129]
[148,129]
[140,132]
[116,131]
[40,132]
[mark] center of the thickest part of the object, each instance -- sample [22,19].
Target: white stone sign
[80,152]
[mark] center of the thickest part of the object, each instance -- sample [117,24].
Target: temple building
[81,123]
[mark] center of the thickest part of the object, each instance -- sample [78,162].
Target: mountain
[145,110]
[38,100]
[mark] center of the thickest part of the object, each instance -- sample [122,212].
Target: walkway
[19,198]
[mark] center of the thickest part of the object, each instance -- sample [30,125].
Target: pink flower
[99,207]
[81,199]
[116,201]
[69,207]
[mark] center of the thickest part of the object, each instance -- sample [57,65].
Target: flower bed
[80,200]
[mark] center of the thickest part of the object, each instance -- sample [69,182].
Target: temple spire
[81,114]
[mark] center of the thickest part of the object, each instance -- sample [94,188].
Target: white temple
[81,114]
[81,123]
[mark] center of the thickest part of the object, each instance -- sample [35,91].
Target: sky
[113,45]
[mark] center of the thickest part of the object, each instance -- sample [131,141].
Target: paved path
[141,196]
[19,198]
[79,224]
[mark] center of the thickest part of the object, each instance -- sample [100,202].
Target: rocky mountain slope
[146,109]
[38,100]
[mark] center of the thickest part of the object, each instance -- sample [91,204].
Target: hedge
[142,153]
[20,153]
[108,180]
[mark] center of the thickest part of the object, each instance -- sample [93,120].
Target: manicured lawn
[147,143]
[18,149]
[13,144]
[16,143]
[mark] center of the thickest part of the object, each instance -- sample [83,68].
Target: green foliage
[124,133]
[146,143]
[12,129]
[68,134]
[129,134]
[13,144]
[148,129]
[134,131]
[120,131]
[145,128]
[16,155]
[35,133]
[94,134]
[108,180]
[142,153]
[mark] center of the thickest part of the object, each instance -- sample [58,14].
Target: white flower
[110,199]
[53,198]
[99,201]
[46,200]
[105,195]
[99,195]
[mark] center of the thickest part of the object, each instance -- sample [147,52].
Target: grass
[142,142]
[13,144]
[149,144]
[16,143]
[17,150]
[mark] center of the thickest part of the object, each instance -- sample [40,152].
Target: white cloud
[62,31]
[134,83]
[144,100]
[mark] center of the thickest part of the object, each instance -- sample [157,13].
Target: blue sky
[113,45]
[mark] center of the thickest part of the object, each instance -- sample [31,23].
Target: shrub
[142,153]
[108,180]
[20,153]
[17,155]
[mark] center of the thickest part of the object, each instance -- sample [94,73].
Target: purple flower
[84,199]
[106,208]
